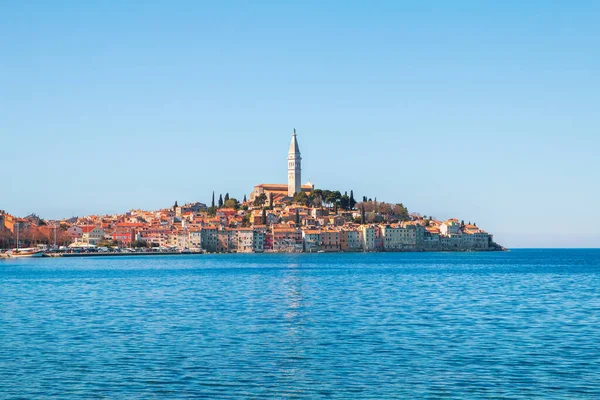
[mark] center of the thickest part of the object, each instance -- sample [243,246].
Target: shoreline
[75,255]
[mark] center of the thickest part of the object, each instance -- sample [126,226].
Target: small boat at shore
[26,252]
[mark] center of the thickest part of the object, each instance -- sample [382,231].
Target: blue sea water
[519,324]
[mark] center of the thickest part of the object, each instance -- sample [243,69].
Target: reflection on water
[512,325]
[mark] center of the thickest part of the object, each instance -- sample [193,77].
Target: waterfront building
[312,239]
[195,238]
[475,238]
[209,238]
[259,239]
[75,233]
[125,236]
[287,239]
[155,235]
[91,234]
[431,238]
[349,240]
[330,240]
[367,237]
[450,227]
[244,238]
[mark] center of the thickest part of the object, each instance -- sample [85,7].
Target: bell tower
[294,167]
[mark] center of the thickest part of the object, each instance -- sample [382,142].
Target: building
[125,236]
[244,240]
[209,238]
[294,167]
[195,239]
[91,234]
[278,192]
[349,240]
[367,237]
[312,240]
[75,232]
[286,239]
[260,234]
[330,240]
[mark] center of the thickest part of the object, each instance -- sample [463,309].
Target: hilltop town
[290,217]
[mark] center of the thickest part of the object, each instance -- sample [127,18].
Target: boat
[27,252]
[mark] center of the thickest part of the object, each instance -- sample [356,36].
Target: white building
[367,237]
[244,240]
[294,167]
[91,234]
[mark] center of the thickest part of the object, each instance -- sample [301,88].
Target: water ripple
[524,324]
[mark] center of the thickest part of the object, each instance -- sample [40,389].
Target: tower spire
[294,167]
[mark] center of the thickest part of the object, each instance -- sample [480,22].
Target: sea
[518,324]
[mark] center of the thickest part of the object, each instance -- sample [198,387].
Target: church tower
[294,170]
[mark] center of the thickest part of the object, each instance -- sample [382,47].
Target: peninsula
[290,217]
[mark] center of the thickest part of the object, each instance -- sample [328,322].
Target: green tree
[401,212]
[297,217]
[220,201]
[260,200]
[245,199]
[301,198]
[226,197]
[246,220]
[345,201]
[212,204]
[332,197]
[232,203]
[317,196]
[139,243]
[264,217]
[351,201]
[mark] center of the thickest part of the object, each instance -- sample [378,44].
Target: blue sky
[482,110]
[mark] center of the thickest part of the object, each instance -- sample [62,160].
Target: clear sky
[488,111]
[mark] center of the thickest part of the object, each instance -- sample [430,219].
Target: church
[281,191]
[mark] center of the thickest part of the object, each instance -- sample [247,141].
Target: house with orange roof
[330,240]
[349,239]
[91,234]
[286,239]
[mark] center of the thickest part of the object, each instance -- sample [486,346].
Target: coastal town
[290,217]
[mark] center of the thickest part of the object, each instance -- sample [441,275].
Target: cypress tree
[351,201]
[245,198]
[264,217]
[362,214]
[213,200]
[297,217]
[220,200]
[226,196]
